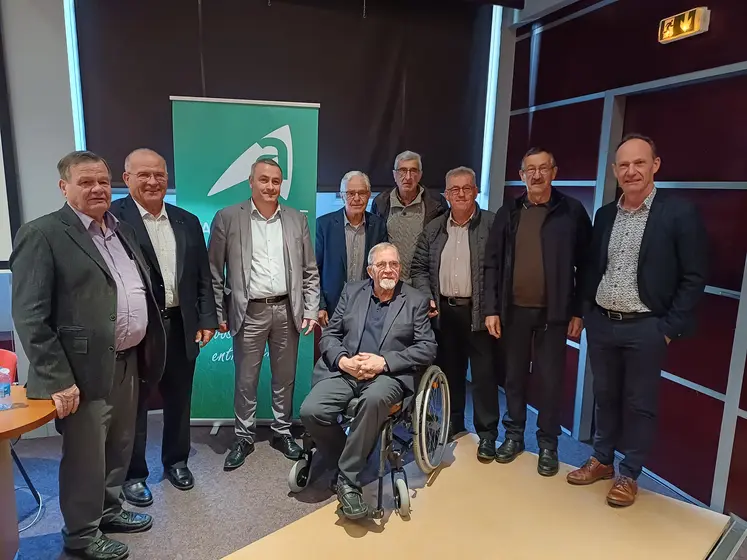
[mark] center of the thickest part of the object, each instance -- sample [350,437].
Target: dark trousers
[176,392]
[96,447]
[527,338]
[626,358]
[458,346]
[329,398]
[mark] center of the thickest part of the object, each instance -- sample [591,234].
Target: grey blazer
[65,306]
[407,340]
[230,253]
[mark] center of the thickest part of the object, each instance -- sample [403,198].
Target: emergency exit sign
[687,24]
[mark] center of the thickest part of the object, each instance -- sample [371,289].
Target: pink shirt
[132,306]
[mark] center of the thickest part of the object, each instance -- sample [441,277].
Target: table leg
[8,515]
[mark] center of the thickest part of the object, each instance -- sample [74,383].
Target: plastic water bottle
[5,400]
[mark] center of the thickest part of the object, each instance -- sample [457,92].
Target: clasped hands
[363,366]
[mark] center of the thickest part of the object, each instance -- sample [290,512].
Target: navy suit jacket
[407,341]
[332,255]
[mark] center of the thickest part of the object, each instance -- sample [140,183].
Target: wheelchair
[425,416]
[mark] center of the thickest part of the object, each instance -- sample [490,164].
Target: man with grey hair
[90,325]
[266,288]
[361,230]
[533,299]
[408,208]
[174,247]
[375,343]
[448,268]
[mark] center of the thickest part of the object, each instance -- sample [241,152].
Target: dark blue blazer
[332,256]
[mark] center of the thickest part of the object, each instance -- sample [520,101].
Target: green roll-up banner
[216,141]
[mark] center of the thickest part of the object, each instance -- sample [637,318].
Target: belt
[457,301]
[270,300]
[171,312]
[620,316]
[122,354]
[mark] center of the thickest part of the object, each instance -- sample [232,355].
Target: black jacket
[194,283]
[332,255]
[672,265]
[426,263]
[435,204]
[65,308]
[565,239]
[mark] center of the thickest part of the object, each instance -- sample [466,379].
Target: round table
[26,415]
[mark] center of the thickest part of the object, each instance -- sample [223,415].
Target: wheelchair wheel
[431,419]
[402,498]
[298,476]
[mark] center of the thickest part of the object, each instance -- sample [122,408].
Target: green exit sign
[687,24]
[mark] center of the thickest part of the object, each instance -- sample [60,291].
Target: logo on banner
[277,145]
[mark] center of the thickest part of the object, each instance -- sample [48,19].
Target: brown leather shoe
[623,492]
[591,471]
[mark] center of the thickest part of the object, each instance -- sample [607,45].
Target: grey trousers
[96,448]
[329,398]
[265,324]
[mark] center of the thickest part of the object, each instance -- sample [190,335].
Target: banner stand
[216,141]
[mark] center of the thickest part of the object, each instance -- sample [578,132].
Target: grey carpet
[224,512]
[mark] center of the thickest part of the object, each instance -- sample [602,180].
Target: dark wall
[403,77]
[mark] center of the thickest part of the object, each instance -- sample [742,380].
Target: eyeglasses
[144,177]
[453,191]
[352,195]
[381,266]
[405,171]
[532,171]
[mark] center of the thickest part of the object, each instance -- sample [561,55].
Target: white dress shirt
[267,276]
[164,243]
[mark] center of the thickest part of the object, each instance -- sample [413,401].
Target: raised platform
[467,509]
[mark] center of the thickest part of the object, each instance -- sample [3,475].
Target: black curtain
[400,75]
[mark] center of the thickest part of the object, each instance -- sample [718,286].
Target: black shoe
[240,450]
[509,450]
[547,465]
[180,477]
[351,500]
[137,493]
[128,522]
[486,449]
[287,446]
[102,548]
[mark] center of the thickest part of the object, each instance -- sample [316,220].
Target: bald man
[174,246]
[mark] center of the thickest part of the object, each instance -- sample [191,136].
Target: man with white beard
[377,340]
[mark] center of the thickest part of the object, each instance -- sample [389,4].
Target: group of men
[115,299]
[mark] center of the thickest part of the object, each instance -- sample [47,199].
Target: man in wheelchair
[376,340]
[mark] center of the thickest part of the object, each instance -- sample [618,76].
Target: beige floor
[472,510]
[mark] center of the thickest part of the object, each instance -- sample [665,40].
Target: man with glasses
[533,301]
[378,339]
[174,246]
[448,268]
[408,208]
[361,230]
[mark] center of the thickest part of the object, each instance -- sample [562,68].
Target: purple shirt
[132,306]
